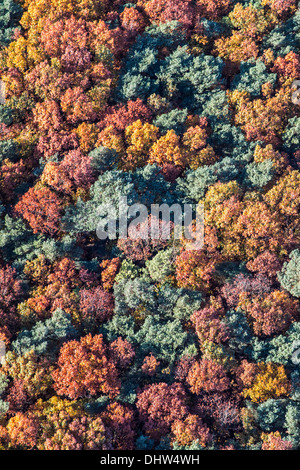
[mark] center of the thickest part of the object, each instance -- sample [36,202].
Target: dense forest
[134,344]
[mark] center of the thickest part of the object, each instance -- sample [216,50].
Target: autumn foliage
[148,342]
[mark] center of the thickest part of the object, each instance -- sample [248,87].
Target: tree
[251,78]
[161,266]
[85,370]
[287,67]
[195,269]
[103,159]
[284,195]
[11,292]
[110,269]
[194,184]
[121,352]
[237,48]
[279,7]
[119,426]
[249,19]
[247,230]
[56,424]
[47,115]
[30,376]
[139,248]
[166,340]
[167,150]
[271,414]
[42,209]
[96,304]
[270,381]
[273,441]
[133,20]
[159,405]
[207,376]
[77,106]
[55,142]
[221,411]
[10,13]
[249,24]
[262,119]
[173,120]
[272,314]
[163,11]
[22,431]
[289,276]
[208,324]
[198,152]
[74,172]
[46,337]
[5,115]
[291,135]
[189,430]
[123,115]
[150,365]
[241,288]
[213,10]
[82,433]
[11,176]
[266,264]
[139,138]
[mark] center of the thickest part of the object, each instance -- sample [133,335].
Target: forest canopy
[134,344]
